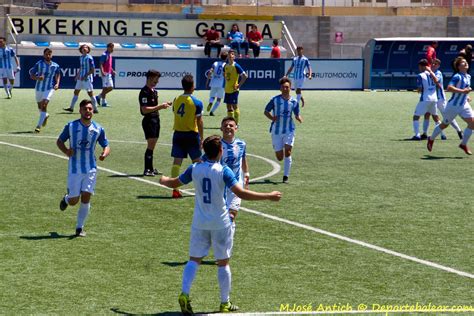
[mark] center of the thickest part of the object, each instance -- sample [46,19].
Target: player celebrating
[6,68]
[300,63]
[460,86]
[84,78]
[47,76]
[188,128]
[83,135]
[279,110]
[234,156]
[211,224]
[427,83]
[106,72]
[233,73]
[216,83]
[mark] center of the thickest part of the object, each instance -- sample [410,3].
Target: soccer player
[106,72]
[235,77]
[149,108]
[216,83]
[426,82]
[234,157]
[83,135]
[441,104]
[188,128]
[460,86]
[211,225]
[84,78]
[300,63]
[279,110]
[431,53]
[6,68]
[47,75]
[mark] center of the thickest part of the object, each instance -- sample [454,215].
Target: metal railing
[12,32]
[286,35]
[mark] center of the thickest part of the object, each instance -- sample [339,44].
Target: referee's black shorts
[151,127]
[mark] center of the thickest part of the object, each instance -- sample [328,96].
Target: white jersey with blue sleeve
[426,84]
[217,79]
[283,110]
[82,140]
[86,64]
[440,89]
[210,180]
[6,55]
[300,64]
[232,155]
[48,71]
[460,81]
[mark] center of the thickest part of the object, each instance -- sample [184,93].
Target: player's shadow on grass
[118,311]
[265,181]
[212,128]
[160,197]
[52,235]
[429,157]
[21,132]
[178,264]
[139,175]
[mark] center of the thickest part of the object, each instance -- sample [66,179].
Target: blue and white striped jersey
[6,55]
[86,64]
[210,180]
[283,110]
[440,90]
[232,155]
[460,81]
[217,79]
[49,71]
[300,64]
[82,140]
[425,83]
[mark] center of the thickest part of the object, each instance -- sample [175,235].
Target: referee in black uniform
[149,108]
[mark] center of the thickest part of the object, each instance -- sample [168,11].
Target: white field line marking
[282,220]
[347,312]
[275,166]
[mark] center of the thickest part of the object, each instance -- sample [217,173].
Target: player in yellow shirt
[232,74]
[188,128]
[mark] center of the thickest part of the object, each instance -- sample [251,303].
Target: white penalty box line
[278,219]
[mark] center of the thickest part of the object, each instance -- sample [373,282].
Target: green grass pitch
[353,175]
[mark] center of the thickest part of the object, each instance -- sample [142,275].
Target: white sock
[103,101]
[287,166]
[216,105]
[73,101]
[6,90]
[442,132]
[82,214]
[437,130]
[41,118]
[189,274]
[100,95]
[66,198]
[224,276]
[298,98]
[416,127]
[94,103]
[426,125]
[466,136]
[455,125]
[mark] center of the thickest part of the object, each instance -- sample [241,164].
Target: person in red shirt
[275,50]
[431,52]
[254,37]
[213,39]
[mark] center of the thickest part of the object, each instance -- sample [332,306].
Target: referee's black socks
[149,159]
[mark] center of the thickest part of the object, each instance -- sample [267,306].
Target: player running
[216,75]
[300,63]
[7,73]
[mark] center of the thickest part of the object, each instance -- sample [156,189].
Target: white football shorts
[298,83]
[441,105]
[7,73]
[84,85]
[81,182]
[221,240]
[279,141]
[217,92]
[426,107]
[451,112]
[44,95]
[232,201]
[107,81]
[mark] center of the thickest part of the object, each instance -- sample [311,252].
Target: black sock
[149,159]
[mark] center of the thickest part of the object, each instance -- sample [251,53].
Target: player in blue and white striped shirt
[7,72]
[216,82]
[234,157]
[47,76]
[211,225]
[280,110]
[84,78]
[460,86]
[300,63]
[83,135]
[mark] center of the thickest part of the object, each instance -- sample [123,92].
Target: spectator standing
[213,39]
[255,39]
[237,41]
